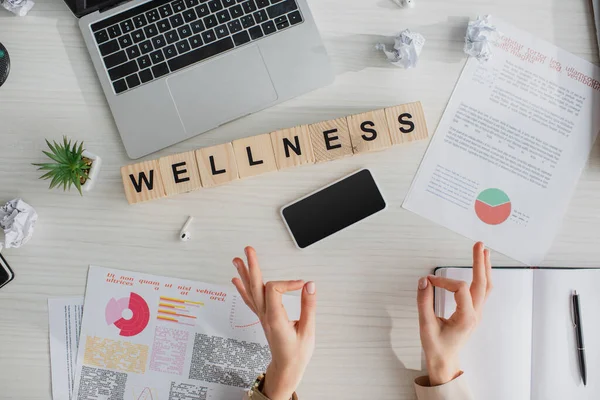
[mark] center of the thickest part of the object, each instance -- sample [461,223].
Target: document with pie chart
[148,337]
[511,145]
[492,206]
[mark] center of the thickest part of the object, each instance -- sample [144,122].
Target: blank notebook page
[497,357]
[555,363]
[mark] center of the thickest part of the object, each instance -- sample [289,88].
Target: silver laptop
[171,70]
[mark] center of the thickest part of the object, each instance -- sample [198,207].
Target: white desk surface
[368,341]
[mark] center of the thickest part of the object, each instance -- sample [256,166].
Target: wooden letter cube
[217,165]
[407,123]
[142,182]
[254,155]
[330,139]
[180,173]
[292,147]
[369,131]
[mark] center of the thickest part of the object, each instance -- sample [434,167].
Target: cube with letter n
[142,182]
[292,147]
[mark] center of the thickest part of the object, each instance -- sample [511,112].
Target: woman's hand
[292,342]
[443,338]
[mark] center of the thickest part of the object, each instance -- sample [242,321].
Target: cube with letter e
[369,131]
[330,139]
[142,182]
[180,173]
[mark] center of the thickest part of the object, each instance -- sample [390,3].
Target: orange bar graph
[176,314]
[198,303]
[169,305]
[176,310]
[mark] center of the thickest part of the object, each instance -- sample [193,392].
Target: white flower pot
[93,172]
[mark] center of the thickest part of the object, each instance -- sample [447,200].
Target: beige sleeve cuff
[256,396]
[259,396]
[456,389]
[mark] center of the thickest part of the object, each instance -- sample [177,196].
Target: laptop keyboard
[159,37]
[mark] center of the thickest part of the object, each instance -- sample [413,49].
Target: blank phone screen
[333,208]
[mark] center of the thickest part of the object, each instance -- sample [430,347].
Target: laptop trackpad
[221,90]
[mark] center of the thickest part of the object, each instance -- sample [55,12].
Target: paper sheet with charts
[150,337]
[510,147]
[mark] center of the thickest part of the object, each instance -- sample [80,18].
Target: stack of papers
[148,337]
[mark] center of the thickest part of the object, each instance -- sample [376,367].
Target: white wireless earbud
[185,235]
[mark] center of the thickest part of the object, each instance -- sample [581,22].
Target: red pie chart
[493,206]
[129,314]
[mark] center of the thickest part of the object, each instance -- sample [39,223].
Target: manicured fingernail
[423,283]
[311,288]
[235,264]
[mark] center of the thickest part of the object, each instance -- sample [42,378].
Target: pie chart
[129,314]
[493,206]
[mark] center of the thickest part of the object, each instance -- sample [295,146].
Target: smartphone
[6,274]
[333,208]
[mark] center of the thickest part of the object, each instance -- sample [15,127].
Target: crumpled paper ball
[17,7]
[481,36]
[17,219]
[406,51]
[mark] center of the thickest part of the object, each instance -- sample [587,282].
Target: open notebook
[524,346]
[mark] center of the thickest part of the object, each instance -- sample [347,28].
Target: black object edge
[10,269]
[5,61]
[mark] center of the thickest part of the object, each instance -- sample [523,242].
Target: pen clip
[573,311]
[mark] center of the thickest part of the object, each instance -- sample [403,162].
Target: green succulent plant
[70,168]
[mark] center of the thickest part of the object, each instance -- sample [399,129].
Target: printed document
[64,315]
[510,146]
[147,337]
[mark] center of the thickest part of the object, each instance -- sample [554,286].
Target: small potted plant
[72,166]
